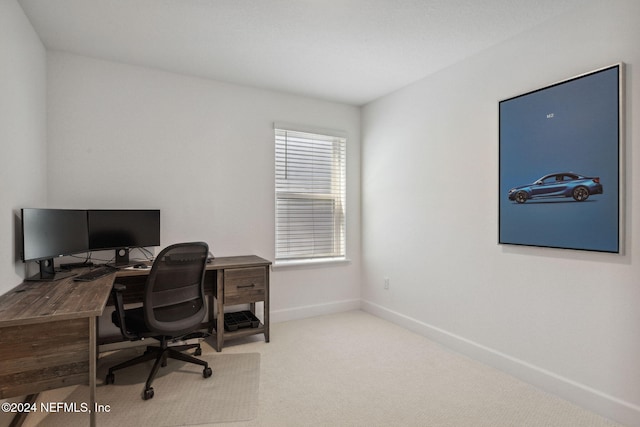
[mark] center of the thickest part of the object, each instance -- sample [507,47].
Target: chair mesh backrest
[174,302]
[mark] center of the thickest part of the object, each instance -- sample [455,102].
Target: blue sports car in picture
[564,184]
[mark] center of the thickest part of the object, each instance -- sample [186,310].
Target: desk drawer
[244,285]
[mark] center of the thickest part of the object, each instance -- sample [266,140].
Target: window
[310,195]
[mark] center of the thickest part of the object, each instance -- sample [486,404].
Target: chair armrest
[118,301]
[119,287]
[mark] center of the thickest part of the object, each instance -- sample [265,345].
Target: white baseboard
[589,398]
[296,313]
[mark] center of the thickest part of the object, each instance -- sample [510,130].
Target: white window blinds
[310,195]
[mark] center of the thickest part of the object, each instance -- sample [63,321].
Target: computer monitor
[51,233]
[121,229]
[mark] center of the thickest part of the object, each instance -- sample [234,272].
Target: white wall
[22,132]
[202,151]
[567,321]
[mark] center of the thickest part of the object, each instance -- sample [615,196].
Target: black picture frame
[560,164]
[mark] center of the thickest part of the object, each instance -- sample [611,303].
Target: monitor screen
[123,228]
[50,233]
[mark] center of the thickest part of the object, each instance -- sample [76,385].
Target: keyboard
[94,274]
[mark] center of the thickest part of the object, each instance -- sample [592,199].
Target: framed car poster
[560,153]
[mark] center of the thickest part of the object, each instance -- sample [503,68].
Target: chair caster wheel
[207,372]
[198,352]
[111,378]
[148,394]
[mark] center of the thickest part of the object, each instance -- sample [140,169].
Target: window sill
[309,263]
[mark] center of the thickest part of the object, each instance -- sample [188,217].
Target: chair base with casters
[161,354]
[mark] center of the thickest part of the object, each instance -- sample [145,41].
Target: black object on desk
[72,265]
[94,274]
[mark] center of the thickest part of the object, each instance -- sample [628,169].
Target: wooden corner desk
[49,334]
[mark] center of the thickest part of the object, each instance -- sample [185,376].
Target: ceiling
[350,51]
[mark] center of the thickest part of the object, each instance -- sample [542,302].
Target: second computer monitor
[121,229]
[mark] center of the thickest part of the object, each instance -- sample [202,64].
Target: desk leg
[92,369]
[211,315]
[20,417]
[220,305]
[266,309]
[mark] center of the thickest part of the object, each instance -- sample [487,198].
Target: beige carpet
[353,369]
[182,396]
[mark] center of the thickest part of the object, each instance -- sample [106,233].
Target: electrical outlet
[386,283]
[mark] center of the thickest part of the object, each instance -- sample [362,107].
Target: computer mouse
[140,266]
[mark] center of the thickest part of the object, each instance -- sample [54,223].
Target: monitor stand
[48,273]
[122,259]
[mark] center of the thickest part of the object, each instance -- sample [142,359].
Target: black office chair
[173,308]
